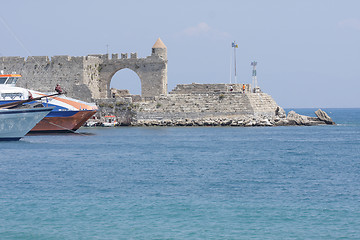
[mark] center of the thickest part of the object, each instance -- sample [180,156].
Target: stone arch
[126,79]
[151,70]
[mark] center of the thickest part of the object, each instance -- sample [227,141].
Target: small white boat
[16,123]
[110,121]
[107,124]
[91,124]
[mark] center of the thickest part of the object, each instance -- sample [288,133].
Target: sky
[308,51]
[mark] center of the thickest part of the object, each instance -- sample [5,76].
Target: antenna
[254,78]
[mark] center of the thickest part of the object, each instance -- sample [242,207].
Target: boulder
[250,123]
[297,119]
[180,122]
[324,117]
[265,122]
[315,121]
[234,124]
[208,122]
[282,122]
[280,112]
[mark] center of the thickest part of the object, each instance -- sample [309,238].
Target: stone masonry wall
[91,75]
[195,106]
[122,108]
[196,88]
[87,77]
[41,74]
[188,106]
[151,70]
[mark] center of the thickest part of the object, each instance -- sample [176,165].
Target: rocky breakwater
[321,118]
[279,119]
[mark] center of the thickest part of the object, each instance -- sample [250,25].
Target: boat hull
[62,124]
[16,123]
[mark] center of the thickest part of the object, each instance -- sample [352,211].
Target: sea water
[185,183]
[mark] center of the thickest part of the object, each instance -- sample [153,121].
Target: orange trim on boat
[10,75]
[72,103]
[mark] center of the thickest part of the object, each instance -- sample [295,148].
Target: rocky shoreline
[280,119]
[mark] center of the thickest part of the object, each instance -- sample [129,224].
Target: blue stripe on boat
[25,110]
[62,113]
[10,139]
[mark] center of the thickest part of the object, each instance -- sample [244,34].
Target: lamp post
[254,78]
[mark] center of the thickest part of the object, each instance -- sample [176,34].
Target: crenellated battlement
[196,88]
[12,59]
[88,77]
[38,59]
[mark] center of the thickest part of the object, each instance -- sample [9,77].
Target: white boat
[110,121]
[107,124]
[16,123]
[91,124]
[68,114]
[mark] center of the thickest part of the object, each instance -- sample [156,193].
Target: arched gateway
[88,77]
[151,70]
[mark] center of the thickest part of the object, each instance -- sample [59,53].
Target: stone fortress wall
[194,104]
[196,88]
[42,74]
[197,106]
[195,101]
[88,78]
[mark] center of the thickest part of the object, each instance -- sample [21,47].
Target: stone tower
[159,49]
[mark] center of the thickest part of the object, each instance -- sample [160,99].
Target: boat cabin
[9,79]
[8,90]
[110,121]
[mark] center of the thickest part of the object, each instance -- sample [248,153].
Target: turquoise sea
[185,183]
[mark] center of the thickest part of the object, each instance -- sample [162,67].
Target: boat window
[12,80]
[12,95]
[2,80]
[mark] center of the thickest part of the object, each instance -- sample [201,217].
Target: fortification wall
[196,88]
[196,106]
[42,74]
[91,75]
[88,77]
[151,70]
[174,107]
[122,108]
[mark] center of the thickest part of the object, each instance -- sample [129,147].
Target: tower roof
[159,44]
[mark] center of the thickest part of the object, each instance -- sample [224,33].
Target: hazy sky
[308,51]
